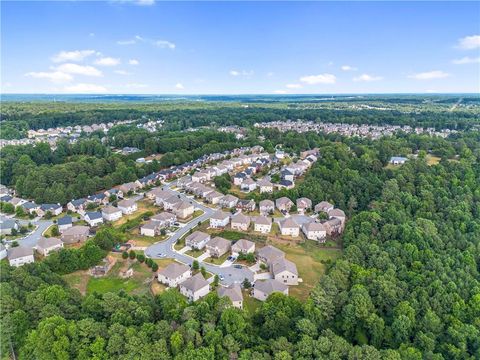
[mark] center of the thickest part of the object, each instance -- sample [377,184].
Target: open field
[432,159]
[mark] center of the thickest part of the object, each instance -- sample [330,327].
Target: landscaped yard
[144,206]
[218,261]
[250,304]
[194,253]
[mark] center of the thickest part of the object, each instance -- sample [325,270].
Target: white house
[289,227]
[243,246]
[265,186]
[314,231]
[46,245]
[93,218]
[262,224]
[228,201]
[127,206]
[183,209]
[195,287]
[64,223]
[219,219]
[240,222]
[111,213]
[248,185]
[234,293]
[18,256]
[174,274]
[150,228]
[197,240]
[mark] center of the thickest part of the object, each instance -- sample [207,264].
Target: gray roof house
[218,246]
[197,240]
[304,203]
[174,274]
[285,271]
[46,245]
[270,254]
[283,203]
[263,288]
[195,287]
[243,246]
[323,206]
[233,292]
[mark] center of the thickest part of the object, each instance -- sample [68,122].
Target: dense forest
[88,166]
[17,117]
[406,287]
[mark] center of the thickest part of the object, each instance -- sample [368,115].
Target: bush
[124,255]
[246,284]
[132,254]
[141,258]
[195,265]
[154,267]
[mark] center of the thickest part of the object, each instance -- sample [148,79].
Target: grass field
[250,304]
[432,159]
[218,261]
[194,253]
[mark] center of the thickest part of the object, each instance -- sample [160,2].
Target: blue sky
[152,47]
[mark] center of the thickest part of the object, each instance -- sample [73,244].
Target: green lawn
[110,284]
[250,304]
[194,253]
[218,261]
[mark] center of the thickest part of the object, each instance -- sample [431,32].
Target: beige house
[228,201]
[304,204]
[267,207]
[75,234]
[46,245]
[265,186]
[285,272]
[20,255]
[283,204]
[183,209]
[323,206]
[289,227]
[195,287]
[127,206]
[240,222]
[314,231]
[243,246]
[174,274]
[218,246]
[219,219]
[234,293]
[213,197]
[262,224]
[263,288]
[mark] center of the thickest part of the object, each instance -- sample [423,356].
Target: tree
[132,254]
[124,255]
[7,208]
[55,230]
[246,284]
[216,280]
[141,258]
[154,267]
[203,271]
[195,265]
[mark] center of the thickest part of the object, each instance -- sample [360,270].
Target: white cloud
[144,2]
[466,60]
[76,55]
[179,86]
[107,61]
[367,78]
[136,86]
[429,75]
[54,76]
[293,86]
[122,72]
[85,70]
[319,79]
[469,42]
[164,44]
[280,91]
[270,74]
[241,72]
[133,62]
[348,68]
[85,88]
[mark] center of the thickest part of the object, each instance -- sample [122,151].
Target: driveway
[231,275]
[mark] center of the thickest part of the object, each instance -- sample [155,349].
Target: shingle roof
[313,226]
[270,286]
[270,253]
[64,220]
[220,215]
[174,270]
[94,215]
[288,223]
[262,220]
[284,265]
[195,283]
[233,292]
[243,245]
[336,213]
[45,243]
[18,252]
[110,210]
[240,218]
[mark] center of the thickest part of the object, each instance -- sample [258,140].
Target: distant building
[398,160]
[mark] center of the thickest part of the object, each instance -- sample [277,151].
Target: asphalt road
[31,239]
[230,274]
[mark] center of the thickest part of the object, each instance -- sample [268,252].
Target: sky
[149,47]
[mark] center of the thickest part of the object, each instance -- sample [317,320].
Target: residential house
[152,194]
[161,196]
[233,292]
[183,209]
[285,184]
[171,202]
[265,186]
[284,204]
[111,213]
[46,245]
[174,274]
[195,287]
[263,288]
[269,255]
[213,197]
[20,255]
[219,219]
[287,175]
[77,206]
[30,207]
[200,176]
[197,240]
[240,222]
[64,223]
[151,228]
[304,204]
[218,246]
[75,234]
[54,209]
[262,224]
[93,218]
[243,246]
[127,206]
[289,227]
[164,219]
[314,231]
[333,226]
[8,226]
[266,207]
[323,206]
[114,192]
[398,160]
[228,201]
[338,214]
[239,178]
[246,205]
[100,198]
[248,185]
[127,188]
[285,272]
